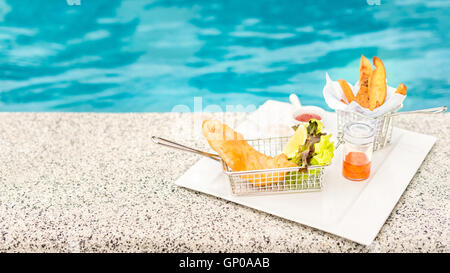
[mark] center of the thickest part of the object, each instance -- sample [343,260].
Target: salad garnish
[317,149]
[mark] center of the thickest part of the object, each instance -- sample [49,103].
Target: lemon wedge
[295,141]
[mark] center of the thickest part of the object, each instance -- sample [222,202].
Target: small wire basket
[382,125]
[269,181]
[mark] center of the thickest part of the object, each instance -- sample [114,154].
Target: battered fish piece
[240,156]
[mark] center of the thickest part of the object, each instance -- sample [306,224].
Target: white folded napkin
[332,92]
[275,119]
[272,119]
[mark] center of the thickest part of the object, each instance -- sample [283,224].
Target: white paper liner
[332,92]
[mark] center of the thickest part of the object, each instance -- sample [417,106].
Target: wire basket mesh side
[382,126]
[277,181]
[274,180]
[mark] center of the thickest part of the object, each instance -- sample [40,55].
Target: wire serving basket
[268,181]
[382,125]
[274,180]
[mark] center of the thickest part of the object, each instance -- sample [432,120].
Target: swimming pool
[149,56]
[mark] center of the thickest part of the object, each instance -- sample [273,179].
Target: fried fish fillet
[241,156]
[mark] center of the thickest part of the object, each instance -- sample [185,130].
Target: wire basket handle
[171,144]
[339,141]
[435,110]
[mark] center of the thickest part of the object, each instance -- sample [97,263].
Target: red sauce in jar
[356,166]
[306,117]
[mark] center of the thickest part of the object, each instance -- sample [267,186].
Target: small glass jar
[358,147]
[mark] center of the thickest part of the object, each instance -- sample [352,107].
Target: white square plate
[353,210]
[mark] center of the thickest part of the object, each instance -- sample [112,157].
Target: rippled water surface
[136,55]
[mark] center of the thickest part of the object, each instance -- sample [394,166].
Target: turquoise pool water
[149,56]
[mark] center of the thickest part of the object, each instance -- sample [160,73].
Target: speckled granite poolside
[95,182]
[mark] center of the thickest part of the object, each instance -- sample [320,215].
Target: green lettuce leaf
[317,150]
[323,151]
[314,127]
[306,151]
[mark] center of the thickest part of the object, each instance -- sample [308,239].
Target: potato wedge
[377,84]
[365,69]
[362,98]
[348,93]
[401,89]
